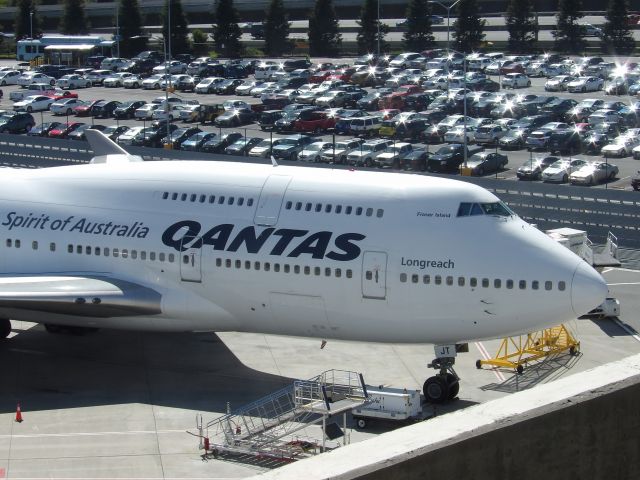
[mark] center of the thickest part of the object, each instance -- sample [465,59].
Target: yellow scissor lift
[516,352]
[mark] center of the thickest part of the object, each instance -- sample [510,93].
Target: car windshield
[288,141]
[314,147]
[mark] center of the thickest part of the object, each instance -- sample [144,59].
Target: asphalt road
[628,166]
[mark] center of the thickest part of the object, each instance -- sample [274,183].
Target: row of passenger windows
[284,268]
[484,282]
[211,199]
[328,208]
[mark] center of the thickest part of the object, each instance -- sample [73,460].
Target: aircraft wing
[97,296]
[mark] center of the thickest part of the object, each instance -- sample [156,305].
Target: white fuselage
[291,250]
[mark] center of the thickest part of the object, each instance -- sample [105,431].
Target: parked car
[242,146]
[516,80]
[73,81]
[559,171]
[65,106]
[622,146]
[64,129]
[268,118]
[533,168]
[290,147]
[16,122]
[218,144]
[490,134]
[338,152]
[79,133]
[484,162]
[565,142]
[593,173]
[34,103]
[365,155]
[41,130]
[104,108]
[176,137]
[235,118]
[585,84]
[128,109]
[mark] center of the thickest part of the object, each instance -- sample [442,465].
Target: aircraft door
[374,275]
[270,201]
[191,263]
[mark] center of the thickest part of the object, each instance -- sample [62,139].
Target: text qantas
[187,234]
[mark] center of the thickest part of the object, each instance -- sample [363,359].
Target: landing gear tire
[5,327]
[361,422]
[454,386]
[436,390]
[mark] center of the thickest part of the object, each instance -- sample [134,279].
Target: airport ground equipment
[517,352]
[388,403]
[266,428]
[610,308]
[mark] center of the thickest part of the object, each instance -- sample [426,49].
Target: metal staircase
[267,426]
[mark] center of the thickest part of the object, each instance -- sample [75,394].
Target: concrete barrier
[586,426]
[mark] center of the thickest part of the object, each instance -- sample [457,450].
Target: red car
[64,129]
[343,74]
[85,110]
[314,121]
[396,99]
[511,67]
[60,94]
[320,77]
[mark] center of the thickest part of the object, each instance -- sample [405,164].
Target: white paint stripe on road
[627,329]
[90,434]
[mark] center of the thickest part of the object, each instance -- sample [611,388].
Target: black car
[242,146]
[79,133]
[142,66]
[411,129]
[449,157]
[268,119]
[104,108]
[370,101]
[415,160]
[127,109]
[482,163]
[219,143]
[532,170]
[558,108]
[186,84]
[417,101]
[290,147]
[531,122]
[513,140]
[594,141]
[485,85]
[235,118]
[16,122]
[152,137]
[227,87]
[194,142]
[285,124]
[43,129]
[175,138]
[635,181]
[565,142]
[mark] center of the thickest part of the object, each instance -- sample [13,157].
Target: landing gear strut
[5,327]
[445,385]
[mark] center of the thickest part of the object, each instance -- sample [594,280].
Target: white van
[266,72]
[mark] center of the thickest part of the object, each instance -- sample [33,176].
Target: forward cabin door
[270,202]
[374,275]
[191,263]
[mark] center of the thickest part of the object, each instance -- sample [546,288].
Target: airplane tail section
[106,150]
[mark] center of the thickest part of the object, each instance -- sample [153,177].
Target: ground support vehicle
[386,403]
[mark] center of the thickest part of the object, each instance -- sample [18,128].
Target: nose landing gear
[445,385]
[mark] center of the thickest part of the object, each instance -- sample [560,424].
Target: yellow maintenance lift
[516,352]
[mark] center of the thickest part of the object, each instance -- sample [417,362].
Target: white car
[9,77]
[585,84]
[333,98]
[153,82]
[258,90]
[73,81]
[236,105]
[35,77]
[558,83]
[134,81]
[117,79]
[65,106]
[559,171]
[622,146]
[391,157]
[456,134]
[603,116]
[207,85]
[145,112]
[96,77]
[313,151]
[115,64]
[245,88]
[515,80]
[170,113]
[34,103]
[127,137]
[593,173]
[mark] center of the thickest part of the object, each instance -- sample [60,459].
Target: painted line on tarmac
[485,354]
[90,434]
[628,329]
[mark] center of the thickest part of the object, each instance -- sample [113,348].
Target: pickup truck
[449,158]
[33,89]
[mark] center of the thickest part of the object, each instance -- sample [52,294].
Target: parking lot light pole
[448,9]
[31,25]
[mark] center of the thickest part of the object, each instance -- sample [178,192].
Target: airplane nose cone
[588,289]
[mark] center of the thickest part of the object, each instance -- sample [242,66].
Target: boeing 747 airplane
[228,246]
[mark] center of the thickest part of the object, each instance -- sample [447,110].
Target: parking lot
[627,165]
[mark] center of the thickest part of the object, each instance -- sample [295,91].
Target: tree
[372,31]
[468,28]
[178,40]
[200,39]
[569,36]
[132,38]
[324,33]
[74,18]
[616,35]
[226,32]
[419,35]
[522,26]
[276,30]
[24,21]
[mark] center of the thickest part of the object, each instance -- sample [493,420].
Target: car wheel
[136,85]
[584,89]
[52,83]
[565,178]
[88,85]
[4,83]
[29,109]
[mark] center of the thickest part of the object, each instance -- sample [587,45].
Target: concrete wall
[583,427]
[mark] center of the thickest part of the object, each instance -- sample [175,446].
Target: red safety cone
[18,414]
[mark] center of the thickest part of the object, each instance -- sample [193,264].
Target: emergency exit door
[270,201]
[191,263]
[374,275]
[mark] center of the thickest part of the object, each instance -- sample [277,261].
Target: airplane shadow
[194,371]
[612,329]
[546,370]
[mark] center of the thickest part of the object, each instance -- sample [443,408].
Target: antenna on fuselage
[273,161]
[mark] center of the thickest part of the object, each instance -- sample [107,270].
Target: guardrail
[596,210]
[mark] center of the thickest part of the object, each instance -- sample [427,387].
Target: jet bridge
[267,427]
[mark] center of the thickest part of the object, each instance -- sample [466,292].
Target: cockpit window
[467,209]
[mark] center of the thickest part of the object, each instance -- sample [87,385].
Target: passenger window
[327,272]
[379,213]
[307,270]
[52,247]
[368,275]
[317,271]
[165,195]
[296,269]
[548,285]
[338,209]
[87,250]
[497,283]
[485,283]
[134,254]
[78,247]
[276,267]
[318,207]
[174,196]
[449,280]
[256,265]
[267,266]
[212,198]
[247,265]
[106,251]
[359,211]
[476,210]
[203,198]
[348,210]
[183,197]
[522,284]
[288,205]
[9,245]
[125,253]
[218,262]
[17,243]
[509,284]
[287,268]
[349,273]
[461,281]
[438,280]
[250,202]
[562,286]
[152,256]
[426,279]
[34,245]
[307,207]
[327,208]
[369,212]
[338,273]
[415,278]
[193,197]
[240,201]
[298,205]
[116,252]
[161,256]
[473,282]
[535,285]
[96,251]
[464,209]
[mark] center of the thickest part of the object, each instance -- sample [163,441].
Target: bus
[61,49]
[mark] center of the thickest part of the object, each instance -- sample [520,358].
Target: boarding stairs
[267,426]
